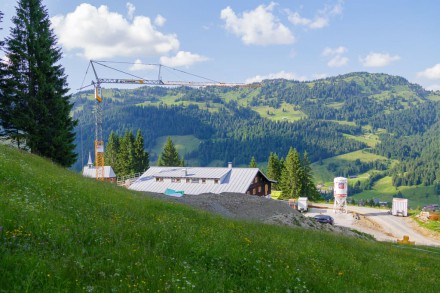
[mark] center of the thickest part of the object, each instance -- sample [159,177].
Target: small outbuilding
[90,171]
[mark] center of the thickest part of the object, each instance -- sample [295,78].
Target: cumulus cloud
[338,61]
[257,27]
[334,51]
[282,74]
[100,33]
[320,75]
[130,10]
[139,66]
[320,20]
[182,58]
[434,87]
[159,20]
[430,73]
[378,59]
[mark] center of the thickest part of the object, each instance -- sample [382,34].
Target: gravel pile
[254,208]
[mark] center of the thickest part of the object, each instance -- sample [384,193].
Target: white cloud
[430,73]
[139,66]
[257,27]
[182,58]
[338,61]
[320,20]
[130,10]
[378,59]
[282,74]
[334,51]
[159,20]
[320,75]
[434,87]
[99,33]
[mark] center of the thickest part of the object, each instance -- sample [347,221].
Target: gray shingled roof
[229,179]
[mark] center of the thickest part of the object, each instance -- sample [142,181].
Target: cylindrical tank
[340,187]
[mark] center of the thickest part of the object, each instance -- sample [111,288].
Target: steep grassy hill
[62,232]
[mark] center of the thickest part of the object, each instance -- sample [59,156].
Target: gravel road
[379,223]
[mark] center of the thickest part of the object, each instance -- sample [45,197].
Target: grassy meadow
[61,232]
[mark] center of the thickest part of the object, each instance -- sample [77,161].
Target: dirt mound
[254,208]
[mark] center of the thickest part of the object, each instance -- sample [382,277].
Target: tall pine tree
[291,185]
[308,187]
[274,168]
[253,163]
[111,154]
[38,104]
[126,156]
[169,156]
[142,161]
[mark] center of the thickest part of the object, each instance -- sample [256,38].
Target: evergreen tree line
[126,153]
[293,175]
[418,153]
[232,134]
[34,101]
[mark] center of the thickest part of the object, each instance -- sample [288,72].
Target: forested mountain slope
[325,117]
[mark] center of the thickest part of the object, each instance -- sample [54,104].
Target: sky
[245,41]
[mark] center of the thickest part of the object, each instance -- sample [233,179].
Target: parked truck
[303,204]
[400,207]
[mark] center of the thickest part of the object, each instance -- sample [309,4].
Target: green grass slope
[62,232]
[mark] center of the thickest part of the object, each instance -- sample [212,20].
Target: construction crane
[99,141]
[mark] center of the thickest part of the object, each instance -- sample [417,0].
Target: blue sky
[245,41]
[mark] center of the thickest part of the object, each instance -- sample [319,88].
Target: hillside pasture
[65,233]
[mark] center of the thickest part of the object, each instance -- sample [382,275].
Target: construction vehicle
[303,204]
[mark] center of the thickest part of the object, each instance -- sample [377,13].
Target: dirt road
[379,223]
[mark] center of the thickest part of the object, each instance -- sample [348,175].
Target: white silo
[340,193]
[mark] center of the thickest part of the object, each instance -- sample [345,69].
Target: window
[259,188]
[176,180]
[215,181]
[188,180]
[203,181]
[195,180]
[159,179]
[256,179]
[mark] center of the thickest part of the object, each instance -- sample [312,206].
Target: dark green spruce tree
[111,155]
[308,186]
[291,185]
[274,168]
[142,160]
[253,163]
[38,104]
[126,157]
[169,156]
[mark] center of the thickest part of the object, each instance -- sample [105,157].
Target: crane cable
[161,65]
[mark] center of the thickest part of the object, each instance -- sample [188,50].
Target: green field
[321,173]
[65,233]
[289,113]
[418,196]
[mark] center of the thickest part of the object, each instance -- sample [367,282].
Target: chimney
[184,174]
[229,165]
